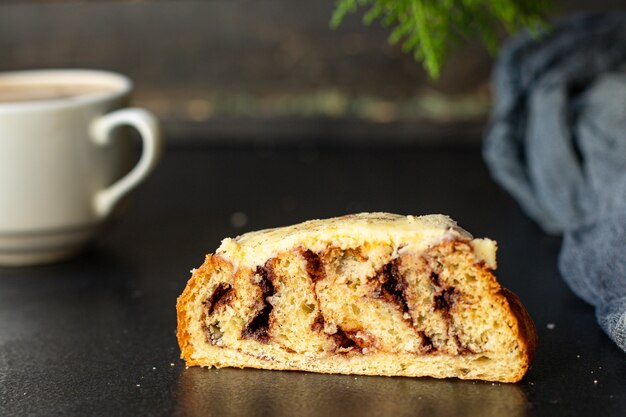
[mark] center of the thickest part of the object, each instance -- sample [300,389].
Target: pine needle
[428,28]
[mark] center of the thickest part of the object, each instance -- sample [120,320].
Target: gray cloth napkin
[557,143]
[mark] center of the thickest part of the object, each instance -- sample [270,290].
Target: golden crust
[525,332]
[198,279]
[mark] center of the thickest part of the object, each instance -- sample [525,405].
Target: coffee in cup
[18,93]
[62,159]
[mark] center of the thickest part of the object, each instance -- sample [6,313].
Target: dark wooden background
[256,69]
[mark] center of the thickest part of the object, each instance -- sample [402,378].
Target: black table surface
[95,335]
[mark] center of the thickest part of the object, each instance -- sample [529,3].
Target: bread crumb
[171,364]
[138,385]
[595,381]
[550,326]
[238,219]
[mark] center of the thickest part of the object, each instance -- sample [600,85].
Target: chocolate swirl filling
[258,328]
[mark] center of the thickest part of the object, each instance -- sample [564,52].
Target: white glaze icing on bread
[371,293]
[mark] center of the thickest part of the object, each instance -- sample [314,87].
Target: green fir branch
[427,28]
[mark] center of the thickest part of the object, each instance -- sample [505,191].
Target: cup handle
[152,141]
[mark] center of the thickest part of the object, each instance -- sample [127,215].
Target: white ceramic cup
[64,162]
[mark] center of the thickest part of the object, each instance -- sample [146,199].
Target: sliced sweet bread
[371,293]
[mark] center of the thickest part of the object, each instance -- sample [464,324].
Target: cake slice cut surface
[370,293]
